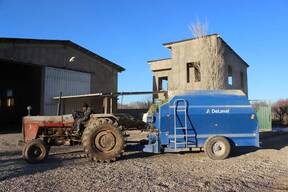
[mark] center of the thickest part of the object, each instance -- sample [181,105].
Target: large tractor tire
[217,148]
[35,151]
[102,141]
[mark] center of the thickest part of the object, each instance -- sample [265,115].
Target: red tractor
[101,137]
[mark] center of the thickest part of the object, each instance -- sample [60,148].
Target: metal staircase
[183,140]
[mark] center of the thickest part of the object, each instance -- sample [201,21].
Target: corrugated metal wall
[263,113]
[66,81]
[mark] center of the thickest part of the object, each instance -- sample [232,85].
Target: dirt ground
[248,169]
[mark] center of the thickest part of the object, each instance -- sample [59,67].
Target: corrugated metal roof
[63,42]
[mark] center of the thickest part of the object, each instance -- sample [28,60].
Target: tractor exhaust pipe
[29,109]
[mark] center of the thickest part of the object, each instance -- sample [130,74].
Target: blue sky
[130,32]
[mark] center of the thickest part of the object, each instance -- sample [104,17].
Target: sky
[130,32]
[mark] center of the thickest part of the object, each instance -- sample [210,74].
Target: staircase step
[180,136]
[181,110]
[182,142]
[173,141]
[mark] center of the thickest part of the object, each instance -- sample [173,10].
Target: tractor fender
[110,116]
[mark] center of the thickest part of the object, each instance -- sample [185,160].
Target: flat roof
[189,39]
[169,44]
[155,60]
[63,42]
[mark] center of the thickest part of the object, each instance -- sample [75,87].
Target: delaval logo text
[218,111]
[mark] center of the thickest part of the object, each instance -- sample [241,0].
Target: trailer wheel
[102,141]
[217,148]
[35,151]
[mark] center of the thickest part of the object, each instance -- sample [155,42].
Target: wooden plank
[115,94]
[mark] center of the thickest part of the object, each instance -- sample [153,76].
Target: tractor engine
[55,136]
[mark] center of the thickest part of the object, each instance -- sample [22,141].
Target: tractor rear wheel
[102,141]
[35,151]
[217,148]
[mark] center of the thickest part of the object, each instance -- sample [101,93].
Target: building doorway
[20,86]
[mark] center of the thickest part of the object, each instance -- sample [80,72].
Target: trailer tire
[102,141]
[35,151]
[217,148]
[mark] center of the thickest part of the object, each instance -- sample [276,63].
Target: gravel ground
[262,170]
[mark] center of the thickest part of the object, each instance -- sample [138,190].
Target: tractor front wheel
[35,151]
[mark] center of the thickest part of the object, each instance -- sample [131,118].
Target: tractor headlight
[253,116]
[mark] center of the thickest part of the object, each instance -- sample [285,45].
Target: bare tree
[280,108]
[199,29]
[210,55]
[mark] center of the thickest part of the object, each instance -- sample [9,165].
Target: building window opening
[197,73]
[163,84]
[242,79]
[10,98]
[230,77]
[193,72]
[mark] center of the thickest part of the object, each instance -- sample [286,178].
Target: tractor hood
[31,124]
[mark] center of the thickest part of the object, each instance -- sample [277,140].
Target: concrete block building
[33,71]
[187,68]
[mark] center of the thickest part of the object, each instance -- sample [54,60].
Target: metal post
[111,105]
[105,100]
[59,104]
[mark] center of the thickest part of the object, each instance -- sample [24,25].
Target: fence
[264,114]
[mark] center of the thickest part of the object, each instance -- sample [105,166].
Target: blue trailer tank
[215,120]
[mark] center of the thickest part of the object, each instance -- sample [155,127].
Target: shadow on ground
[9,154]
[16,167]
[134,151]
[268,140]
